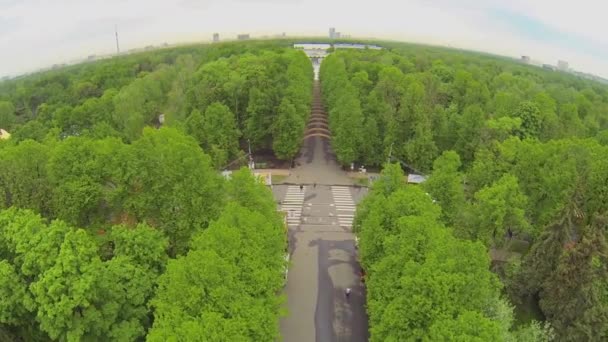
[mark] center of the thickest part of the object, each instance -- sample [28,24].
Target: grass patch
[362,181]
[276,179]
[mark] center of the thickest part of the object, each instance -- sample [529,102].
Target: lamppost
[251,163]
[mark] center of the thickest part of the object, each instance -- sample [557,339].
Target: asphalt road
[323,256]
[323,264]
[321,242]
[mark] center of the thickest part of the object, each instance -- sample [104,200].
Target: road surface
[323,255]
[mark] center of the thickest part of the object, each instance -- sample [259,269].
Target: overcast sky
[39,33]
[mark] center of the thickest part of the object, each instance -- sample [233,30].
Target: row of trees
[422,282]
[516,154]
[418,102]
[263,99]
[238,272]
[165,244]
[223,95]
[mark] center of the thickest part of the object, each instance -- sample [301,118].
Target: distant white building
[313,50]
[562,65]
[526,59]
[216,37]
[356,46]
[332,33]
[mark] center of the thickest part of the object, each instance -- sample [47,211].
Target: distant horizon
[100,55]
[35,34]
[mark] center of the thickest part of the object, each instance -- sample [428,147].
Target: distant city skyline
[36,34]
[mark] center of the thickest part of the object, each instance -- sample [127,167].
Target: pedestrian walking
[301,187]
[314,185]
[347,292]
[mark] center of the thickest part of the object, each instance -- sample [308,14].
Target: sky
[40,33]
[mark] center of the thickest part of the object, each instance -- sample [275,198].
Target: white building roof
[311,46]
[415,179]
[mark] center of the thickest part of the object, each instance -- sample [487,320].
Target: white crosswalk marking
[345,206]
[292,204]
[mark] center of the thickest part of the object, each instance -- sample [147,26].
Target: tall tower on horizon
[117,46]
[332,32]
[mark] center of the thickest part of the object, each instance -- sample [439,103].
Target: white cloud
[36,33]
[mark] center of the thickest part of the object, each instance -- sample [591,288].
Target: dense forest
[223,95]
[417,102]
[127,239]
[516,158]
[115,228]
[423,283]
[115,223]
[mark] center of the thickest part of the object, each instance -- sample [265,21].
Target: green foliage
[226,287]
[288,131]
[445,186]
[346,119]
[498,209]
[520,149]
[171,185]
[59,281]
[529,114]
[425,101]
[24,181]
[419,276]
[13,291]
[122,96]
[216,132]
[7,115]
[143,245]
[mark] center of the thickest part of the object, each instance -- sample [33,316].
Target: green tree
[196,300]
[531,120]
[219,133]
[142,245]
[445,185]
[261,114]
[170,184]
[7,115]
[66,309]
[13,292]
[24,181]
[470,126]
[499,209]
[287,131]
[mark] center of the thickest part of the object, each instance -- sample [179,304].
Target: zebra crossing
[292,204]
[345,206]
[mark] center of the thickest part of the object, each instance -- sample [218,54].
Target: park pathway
[292,204]
[316,162]
[345,206]
[323,255]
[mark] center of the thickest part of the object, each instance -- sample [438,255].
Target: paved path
[323,255]
[316,162]
[323,264]
[292,204]
[345,206]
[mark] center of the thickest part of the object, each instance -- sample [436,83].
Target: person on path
[347,292]
[301,187]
